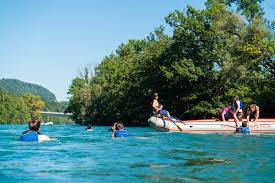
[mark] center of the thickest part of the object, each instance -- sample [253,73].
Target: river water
[76,155]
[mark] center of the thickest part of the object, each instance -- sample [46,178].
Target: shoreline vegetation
[225,50]
[21,101]
[19,109]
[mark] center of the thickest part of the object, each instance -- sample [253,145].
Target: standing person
[237,109]
[253,113]
[33,134]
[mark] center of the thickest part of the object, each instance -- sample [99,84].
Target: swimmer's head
[34,125]
[119,126]
[155,95]
[244,124]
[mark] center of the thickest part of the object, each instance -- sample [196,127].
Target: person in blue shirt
[33,134]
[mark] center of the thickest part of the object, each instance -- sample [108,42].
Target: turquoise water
[76,155]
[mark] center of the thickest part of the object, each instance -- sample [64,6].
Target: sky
[49,42]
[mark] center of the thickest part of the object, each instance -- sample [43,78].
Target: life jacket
[235,105]
[29,136]
[241,105]
[121,133]
[245,130]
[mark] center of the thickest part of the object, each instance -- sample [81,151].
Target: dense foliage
[21,101]
[19,109]
[211,56]
[17,87]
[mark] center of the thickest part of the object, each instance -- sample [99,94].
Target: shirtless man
[158,108]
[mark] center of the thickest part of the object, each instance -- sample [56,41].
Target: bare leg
[236,119]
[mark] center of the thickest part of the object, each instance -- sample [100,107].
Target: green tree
[211,56]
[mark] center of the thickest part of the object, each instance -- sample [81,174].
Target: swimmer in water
[244,129]
[89,127]
[119,131]
[33,134]
[113,127]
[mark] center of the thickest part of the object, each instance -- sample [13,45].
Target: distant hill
[17,87]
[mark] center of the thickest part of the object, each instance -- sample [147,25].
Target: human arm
[113,134]
[248,115]
[257,113]
[223,114]
[247,118]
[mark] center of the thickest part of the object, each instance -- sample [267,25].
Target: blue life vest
[163,112]
[121,133]
[245,130]
[241,105]
[29,137]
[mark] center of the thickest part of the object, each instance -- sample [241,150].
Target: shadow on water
[163,178]
[147,165]
[184,154]
[205,161]
[187,162]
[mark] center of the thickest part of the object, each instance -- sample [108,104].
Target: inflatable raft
[209,126]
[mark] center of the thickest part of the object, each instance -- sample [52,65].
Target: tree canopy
[19,109]
[22,101]
[211,56]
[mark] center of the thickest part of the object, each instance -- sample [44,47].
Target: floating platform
[209,126]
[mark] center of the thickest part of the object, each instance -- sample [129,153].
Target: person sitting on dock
[253,113]
[33,134]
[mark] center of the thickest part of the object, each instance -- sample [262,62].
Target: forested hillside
[17,87]
[19,109]
[18,100]
[212,55]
